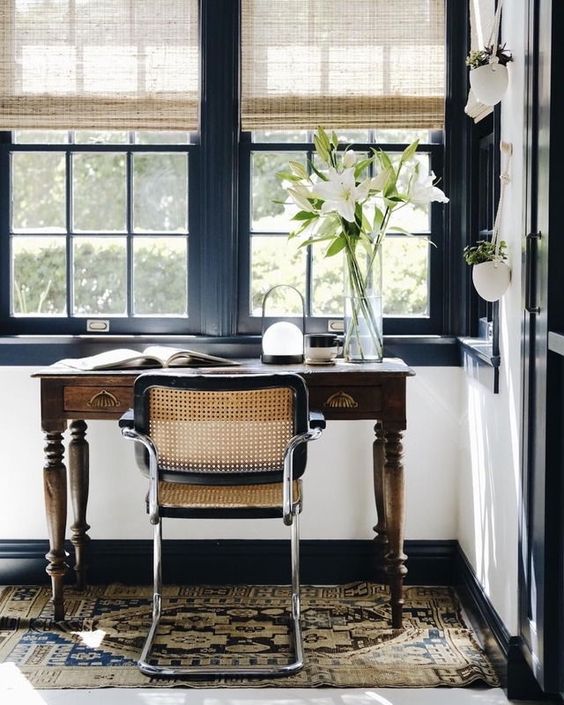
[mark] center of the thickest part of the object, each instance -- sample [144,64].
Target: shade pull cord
[494,34]
[505,178]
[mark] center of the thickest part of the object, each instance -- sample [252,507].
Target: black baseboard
[503,650]
[230,561]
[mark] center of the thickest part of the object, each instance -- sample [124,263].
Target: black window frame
[76,324]
[400,325]
[218,250]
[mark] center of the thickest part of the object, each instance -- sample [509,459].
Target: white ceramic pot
[491,279]
[489,83]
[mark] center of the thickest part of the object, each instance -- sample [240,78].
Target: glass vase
[363,306]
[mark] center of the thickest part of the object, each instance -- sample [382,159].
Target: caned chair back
[222,429]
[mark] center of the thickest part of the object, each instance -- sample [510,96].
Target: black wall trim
[505,651]
[18,351]
[230,561]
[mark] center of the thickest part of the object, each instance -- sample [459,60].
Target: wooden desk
[342,391]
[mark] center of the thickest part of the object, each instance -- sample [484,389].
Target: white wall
[490,464]
[338,483]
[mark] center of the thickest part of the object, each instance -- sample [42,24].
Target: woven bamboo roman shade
[342,63]
[100,64]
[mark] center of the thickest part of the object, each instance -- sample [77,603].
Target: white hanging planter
[489,82]
[491,279]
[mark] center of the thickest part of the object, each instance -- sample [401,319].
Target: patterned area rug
[347,640]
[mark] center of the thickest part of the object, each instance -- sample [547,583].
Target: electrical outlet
[335,325]
[97,325]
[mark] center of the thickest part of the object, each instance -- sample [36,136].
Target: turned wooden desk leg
[79,479]
[381,538]
[394,495]
[55,486]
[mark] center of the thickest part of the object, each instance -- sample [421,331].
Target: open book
[152,356]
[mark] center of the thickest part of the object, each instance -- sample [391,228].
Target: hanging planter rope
[489,76]
[491,278]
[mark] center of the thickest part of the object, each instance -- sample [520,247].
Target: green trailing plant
[482,57]
[485,251]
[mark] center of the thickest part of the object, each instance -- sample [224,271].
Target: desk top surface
[389,367]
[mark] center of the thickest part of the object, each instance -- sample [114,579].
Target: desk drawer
[346,401]
[99,400]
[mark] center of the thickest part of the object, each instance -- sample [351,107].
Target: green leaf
[304,225]
[384,159]
[334,140]
[336,246]
[298,169]
[367,243]
[317,172]
[329,226]
[287,176]
[378,219]
[409,151]
[360,166]
[322,144]
[324,137]
[397,229]
[358,213]
[313,240]
[305,215]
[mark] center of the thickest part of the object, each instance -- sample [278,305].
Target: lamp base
[281,359]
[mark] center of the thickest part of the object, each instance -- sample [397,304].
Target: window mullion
[5,239]
[70,229]
[129,226]
[219,124]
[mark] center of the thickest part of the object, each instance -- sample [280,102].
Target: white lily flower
[350,158]
[378,182]
[340,193]
[300,194]
[421,191]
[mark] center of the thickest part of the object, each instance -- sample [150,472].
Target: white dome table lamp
[282,341]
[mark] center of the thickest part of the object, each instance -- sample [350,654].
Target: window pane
[276,260]
[280,136]
[160,276]
[41,137]
[268,215]
[401,136]
[39,276]
[405,277]
[99,275]
[99,192]
[101,137]
[327,283]
[160,192]
[38,191]
[351,136]
[146,137]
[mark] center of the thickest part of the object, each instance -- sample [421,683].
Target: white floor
[19,692]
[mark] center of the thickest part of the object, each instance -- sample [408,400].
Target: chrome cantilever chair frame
[290,514]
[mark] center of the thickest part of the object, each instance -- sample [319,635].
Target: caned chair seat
[182,496]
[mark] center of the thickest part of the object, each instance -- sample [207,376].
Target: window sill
[39,350]
[480,350]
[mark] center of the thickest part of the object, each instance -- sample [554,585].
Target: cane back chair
[222,446]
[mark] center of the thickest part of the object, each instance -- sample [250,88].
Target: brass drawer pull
[103,400]
[341,400]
